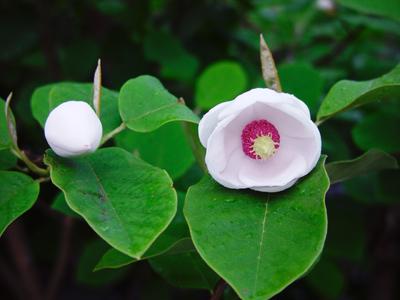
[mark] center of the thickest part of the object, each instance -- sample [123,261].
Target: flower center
[260,139]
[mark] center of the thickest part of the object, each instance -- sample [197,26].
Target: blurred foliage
[187,44]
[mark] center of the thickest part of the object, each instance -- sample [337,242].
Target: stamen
[260,139]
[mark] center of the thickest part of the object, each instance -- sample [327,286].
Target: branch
[59,267]
[219,290]
[19,251]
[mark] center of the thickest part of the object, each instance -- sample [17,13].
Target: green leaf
[145,105]
[386,8]
[84,274]
[113,259]
[378,130]
[18,193]
[327,279]
[7,159]
[166,147]
[175,239]
[175,61]
[185,270]
[373,160]
[258,242]
[48,97]
[347,94]
[5,141]
[60,204]
[303,81]
[126,201]
[221,81]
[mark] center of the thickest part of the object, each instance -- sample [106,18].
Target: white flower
[72,129]
[262,140]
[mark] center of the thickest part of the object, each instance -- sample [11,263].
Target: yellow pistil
[263,147]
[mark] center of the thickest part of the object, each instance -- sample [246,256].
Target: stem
[31,165]
[62,259]
[194,142]
[19,251]
[218,290]
[112,133]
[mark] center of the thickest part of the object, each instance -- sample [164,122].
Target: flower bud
[72,129]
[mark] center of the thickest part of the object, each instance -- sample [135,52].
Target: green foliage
[185,270]
[245,237]
[5,141]
[175,239]
[347,94]
[221,81]
[84,274]
[118,195]
[165,49]
[48,97]
[145,105]
[378,130]
[166,147]
[327,279]
[7,159]
[303,81]
[373,160]
[60,204]
[387,8]
[18,194]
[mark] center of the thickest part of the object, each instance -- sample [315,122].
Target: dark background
[48,41]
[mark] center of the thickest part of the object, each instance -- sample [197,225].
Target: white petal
[209,122]
[274,189]
[266,96]
[73,128]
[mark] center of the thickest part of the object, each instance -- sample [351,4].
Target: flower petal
[209,122]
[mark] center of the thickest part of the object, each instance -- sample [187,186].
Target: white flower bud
[72,129]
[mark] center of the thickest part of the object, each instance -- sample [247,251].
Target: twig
[113,133]
[59,267]
[218,290]
[19,251]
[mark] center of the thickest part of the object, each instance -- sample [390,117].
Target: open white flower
[262,140]
[73,128]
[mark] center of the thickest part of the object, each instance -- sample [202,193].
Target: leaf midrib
[261,244]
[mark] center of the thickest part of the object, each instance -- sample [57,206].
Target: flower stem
[31,165]
[112,133]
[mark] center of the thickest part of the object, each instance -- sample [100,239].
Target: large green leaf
[386,8]
[221,81]
[175,239]
[259,242]
[166,147]
[46,98]
[126,201]
[378,130]
[18,193]
[302,80]
[145,105]
[185,270]
[373,160]
[347,94]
